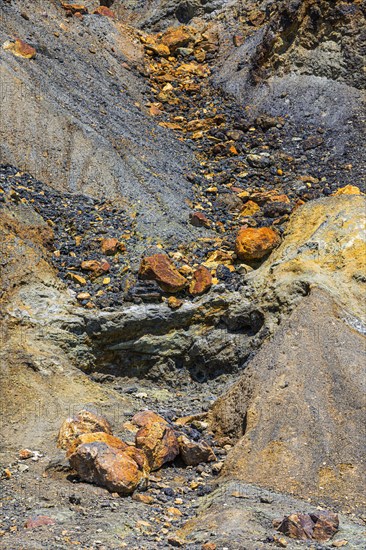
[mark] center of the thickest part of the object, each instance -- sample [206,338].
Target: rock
[209,546]
[83,422]
[145,499]
[249,209]
[156,438]
[96,268]
[320,526]
[174,303]
[199,219]
[106,12]
[103,437]
[348,190]
[316,352]
[159,268]
[38,521]
[77,278]
[259,161]
[75,8]
[119,470]
[201,281]
[24,454]
[254,244]
[194,453]
[111,246]
[20,49]
[177,37]
[158,49]
[238,40]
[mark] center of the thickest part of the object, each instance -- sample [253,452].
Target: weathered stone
[199,219]
[177,37]
[174,303]
[111,246]
[120,471]
[91,437]
[159,268]
[38,521]
[348,190]
[326,525]
[249,209]
[106,12]
[96,267]
[201,281]
[146,418]
[20,49]
[319,526]
[194,453]
[75,8]
[158,49]
[158,441]
[254,244]
[83,422]
[77,278]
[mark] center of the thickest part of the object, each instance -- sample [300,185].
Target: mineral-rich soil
[182,230]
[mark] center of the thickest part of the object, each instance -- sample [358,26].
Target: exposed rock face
[120,471]
[297,410]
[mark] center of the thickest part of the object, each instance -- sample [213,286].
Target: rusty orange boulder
[91,437]
[159,268]
[156,438]
[83,422]
[255,243]
[201,281]
[175,38]
[20,49]
[119,470]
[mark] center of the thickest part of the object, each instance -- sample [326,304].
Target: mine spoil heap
[182,276]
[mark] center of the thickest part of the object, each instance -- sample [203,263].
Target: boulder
[194,453]
[159,268]
[201,281]
[254,244]
[83,422]
[320,526]
[156,438]
[176,38]
[297,411]
[91,437]
[119,470]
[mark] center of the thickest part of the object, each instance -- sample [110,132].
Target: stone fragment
[75,8]
[177,37]
[160,50]
[106,12]
[96,267]
[254,244]
[91,437]
[348,190]
[209,546]
[156,438]
[20,49]
[145,499]
[159,268]
[259,161]
[83,422]
[24,454]
[38,521]
[194,453]
[201,281]
[199,219]
[319,526]
[77,278]
[111,246]
[238,40]
[249,208]
[174,303]
[256,17]
[120,471]
[326,525]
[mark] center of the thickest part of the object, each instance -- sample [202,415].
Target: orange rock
[74,8]
[238,40]
[120,471]
[20,49]
[156,438]
[348,190]
[159,268]
[158,49]
[103,10]
[174,303]
[97,268]
[91,437]
[111,246]
[201,282]
[83,422]
[77,278]
[24,454]
[254,244]
[146,418]
[177,37]
[249,208]
[145,499]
